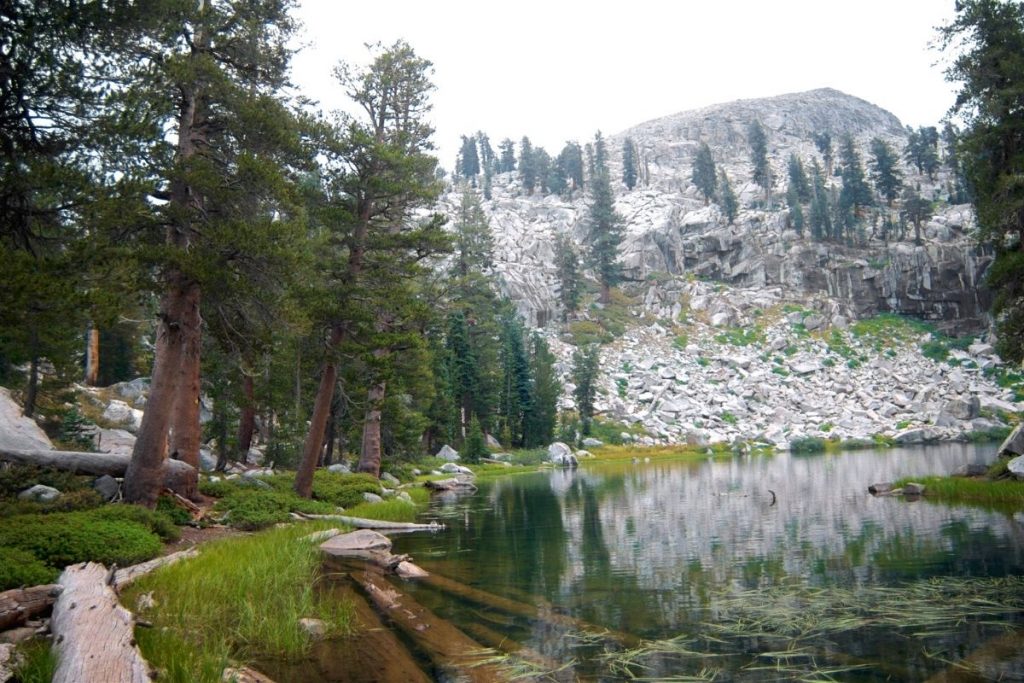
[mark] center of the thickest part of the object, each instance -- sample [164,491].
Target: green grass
[38,662]
[239,600]
[391,510]
[1000,494]
[740,336]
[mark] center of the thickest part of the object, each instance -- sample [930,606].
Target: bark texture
[18,605]
[318,422]
[93,634]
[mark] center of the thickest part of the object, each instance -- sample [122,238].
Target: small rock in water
[314,628]
[880,488]
[913,489]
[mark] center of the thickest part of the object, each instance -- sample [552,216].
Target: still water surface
[696,556]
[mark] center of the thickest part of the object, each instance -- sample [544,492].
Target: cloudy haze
[561,70]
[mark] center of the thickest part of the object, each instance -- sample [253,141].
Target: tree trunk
[247,419]
[186,433]
[179,316]
[93,633]
[33,385]
[92,356]
[318,422]
[332,421]
[370,454]
[606,293]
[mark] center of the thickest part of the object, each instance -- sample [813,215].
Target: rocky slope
[692,275]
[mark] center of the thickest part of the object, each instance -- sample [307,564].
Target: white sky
[562,69]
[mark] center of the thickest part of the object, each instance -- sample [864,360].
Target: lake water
[722,580]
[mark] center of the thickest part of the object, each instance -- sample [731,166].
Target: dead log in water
[523,609]
[363,523]
[499,641]
[453,484]
[446,646]
[179,476]
[93,633]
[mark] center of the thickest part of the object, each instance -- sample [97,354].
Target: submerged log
[18,605]
[499,641]
[363,523]
[522,609]
[93,633]
[180,477]
[446,646]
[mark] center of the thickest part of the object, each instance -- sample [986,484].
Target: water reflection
[644,548]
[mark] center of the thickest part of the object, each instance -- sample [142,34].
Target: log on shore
[122,577]
[446,646]
[18,605]
[93,633]
[179,476]
[522,609]
[364,523]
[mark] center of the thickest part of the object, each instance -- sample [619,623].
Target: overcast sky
[561,69]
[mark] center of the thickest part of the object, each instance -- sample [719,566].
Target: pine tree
[488,162]
[570,159]
[629,163]
[795,218]
[885,172]
[922,149]
[474,448]
[542,168]
[762,174]
[915,209]
[527,165]
[604,224]
[730,205]
[821,211]
[585,368]
[823,141]
[469,160]
[516,401]
[798,179]
[507,161]
[704,175]
[567,270]
[855,196]
[539,429]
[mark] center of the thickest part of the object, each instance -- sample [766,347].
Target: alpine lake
[759,568]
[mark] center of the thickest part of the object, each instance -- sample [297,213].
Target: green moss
[22,568]
[740,336]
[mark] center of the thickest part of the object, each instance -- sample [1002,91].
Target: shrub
[22,568]
[728,417]
[64,538]
[76,431]
[807,444]
[256,508]
[177,514]
[474,447]
[216,489]
[17,478]
[155,521]
[935,349]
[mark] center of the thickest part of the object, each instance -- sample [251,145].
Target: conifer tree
[762,174]
[539,429]
[821,213]
[798,179]
[730,205]
[885,172]
[488,161]
[516,400]
[915,209]
[604,224]
[823,141]
[474,448]
[469,160]
[527,165]
[570,159]
[855,196]
[704,175]
[542,168]
[585,368]
[629,163]
[922,149]
[795,218]
[507,161]
[567,265]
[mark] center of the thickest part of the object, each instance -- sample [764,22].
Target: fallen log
[363,523]
[8,661]
[501,642]
[522,609]
[179,476]
[93,633]
[122,577]
[446,646]
[18,605]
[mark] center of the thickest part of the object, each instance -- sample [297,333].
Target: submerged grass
[796,627]
[241,598]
